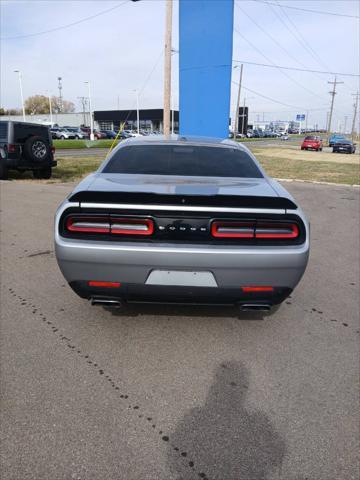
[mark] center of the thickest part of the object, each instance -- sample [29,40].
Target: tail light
[11,148]
[232,230]
[52,150]
[132,226]
[109,225]
[276,231]
[87,224]
[260,230]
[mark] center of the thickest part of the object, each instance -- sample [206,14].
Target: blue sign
[300,117]
[205,58]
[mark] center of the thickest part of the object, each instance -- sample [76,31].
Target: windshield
[311,137]
[183,160]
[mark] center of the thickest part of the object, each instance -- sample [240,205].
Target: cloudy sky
[118,46]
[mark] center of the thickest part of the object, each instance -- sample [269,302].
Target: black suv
[26,146]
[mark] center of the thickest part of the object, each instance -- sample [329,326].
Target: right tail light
[256,229]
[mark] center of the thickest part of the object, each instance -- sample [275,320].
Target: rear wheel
[43,173]
[36,149]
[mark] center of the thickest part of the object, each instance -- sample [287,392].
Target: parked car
[86,131]
[284,137]
[26,146]
[344,146]
[335,138]
[60,133]
[99,135]
[109,133]
[183,220]
[312,142]
[78,133]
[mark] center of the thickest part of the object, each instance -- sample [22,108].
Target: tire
[43,173]
[62,137]
[3,170]
[36,149]
[320,149]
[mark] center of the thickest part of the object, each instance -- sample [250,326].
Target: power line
[296,33]
[308,10]
[103,12]
[307,70]
[295,107]
[269,60]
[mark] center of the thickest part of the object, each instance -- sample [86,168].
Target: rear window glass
[311,137]
[22,131]
[184,160]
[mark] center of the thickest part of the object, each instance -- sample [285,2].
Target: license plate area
[181,278]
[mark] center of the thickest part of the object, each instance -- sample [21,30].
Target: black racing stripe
[238,201]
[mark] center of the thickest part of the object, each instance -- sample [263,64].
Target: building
[59,119]
[150,119]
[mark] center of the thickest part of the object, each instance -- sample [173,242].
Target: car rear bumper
[131,265]
[135,293]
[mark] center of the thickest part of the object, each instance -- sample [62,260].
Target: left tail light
[80,224]
[109,225]
[132,226]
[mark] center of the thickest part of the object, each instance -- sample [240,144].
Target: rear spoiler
[190,200]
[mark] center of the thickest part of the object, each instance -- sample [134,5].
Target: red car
[312,142]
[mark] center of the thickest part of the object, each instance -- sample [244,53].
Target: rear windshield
[311,137]
[183,160]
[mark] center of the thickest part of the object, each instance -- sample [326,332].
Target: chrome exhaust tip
[106,301]
[255,307]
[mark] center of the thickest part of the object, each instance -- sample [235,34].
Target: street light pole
[21,93]
[236,125]
[90,112]
[167,68]
[50,109]
[137,112]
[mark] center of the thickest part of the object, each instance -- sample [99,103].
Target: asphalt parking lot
[160,393]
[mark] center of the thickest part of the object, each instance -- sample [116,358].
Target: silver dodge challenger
[181,220]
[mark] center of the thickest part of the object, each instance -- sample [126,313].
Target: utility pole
[137,112]
[60,94]
[356,95]
[50,109]
[306,120]
[90,112]
[83,101]
[237,112]
[21,93]
[167,68]
[345,122]
[332,93]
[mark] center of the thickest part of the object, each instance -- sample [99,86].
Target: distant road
[101,152]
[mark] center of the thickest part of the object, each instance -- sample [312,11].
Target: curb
[355,185]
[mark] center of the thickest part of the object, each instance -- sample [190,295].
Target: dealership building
[149,119]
